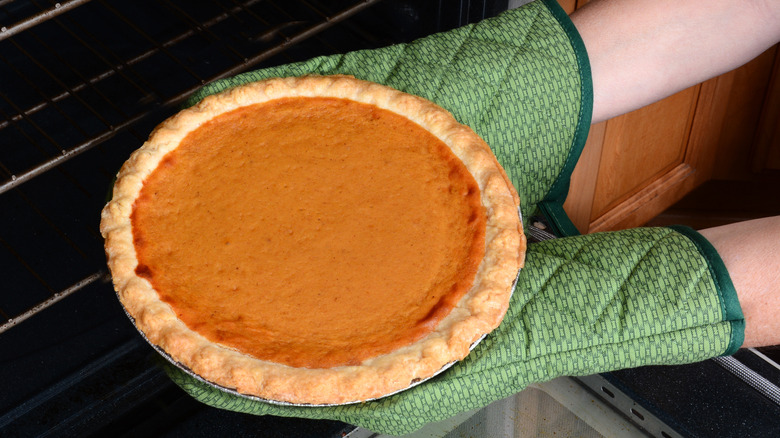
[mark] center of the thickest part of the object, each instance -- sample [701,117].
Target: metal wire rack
[81,85]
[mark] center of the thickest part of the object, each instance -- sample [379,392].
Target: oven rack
[92,77]
[82,84]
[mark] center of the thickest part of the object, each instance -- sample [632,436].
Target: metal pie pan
[233,392]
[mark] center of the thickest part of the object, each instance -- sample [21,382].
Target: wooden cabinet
[766,156]
[637,165]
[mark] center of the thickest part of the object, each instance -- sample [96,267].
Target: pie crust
[477,312]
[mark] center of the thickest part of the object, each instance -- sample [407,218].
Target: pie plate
[447,257]
[233,392]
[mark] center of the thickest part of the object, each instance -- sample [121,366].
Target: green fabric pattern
[583,304]
[552,204]
[517,80]
[730,307]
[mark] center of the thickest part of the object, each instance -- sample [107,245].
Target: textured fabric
[515,79]
[583,305]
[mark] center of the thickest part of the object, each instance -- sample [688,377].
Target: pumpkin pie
[313,240]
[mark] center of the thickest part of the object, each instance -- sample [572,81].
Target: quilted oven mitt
[583,304]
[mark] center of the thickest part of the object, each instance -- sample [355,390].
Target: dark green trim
[729,302]
[552,204]
[557,218]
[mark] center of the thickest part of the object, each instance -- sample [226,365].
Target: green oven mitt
[520,80]
[583,304]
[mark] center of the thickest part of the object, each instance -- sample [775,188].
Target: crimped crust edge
[479,311]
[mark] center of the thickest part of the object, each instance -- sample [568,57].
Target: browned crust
[478,312]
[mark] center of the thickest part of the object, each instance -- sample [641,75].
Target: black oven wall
[82,84]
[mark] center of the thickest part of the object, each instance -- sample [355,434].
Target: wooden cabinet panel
[582,188]
[744,103]
[637,165]
[767,144]
[772,160]
[641,147]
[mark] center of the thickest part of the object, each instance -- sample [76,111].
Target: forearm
[751,253]
[644,50]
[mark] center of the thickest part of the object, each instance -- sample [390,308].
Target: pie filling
[299,230]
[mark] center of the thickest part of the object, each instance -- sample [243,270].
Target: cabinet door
[637,165]
[767,142]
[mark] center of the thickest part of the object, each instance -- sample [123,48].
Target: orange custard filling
[312,232]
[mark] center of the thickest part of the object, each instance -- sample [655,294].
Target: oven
[82,84]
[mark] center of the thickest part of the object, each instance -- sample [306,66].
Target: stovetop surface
[704,399]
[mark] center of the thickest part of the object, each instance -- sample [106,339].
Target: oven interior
[82,83]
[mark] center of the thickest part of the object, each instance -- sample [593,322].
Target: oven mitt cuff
[583,305]
[520,80]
